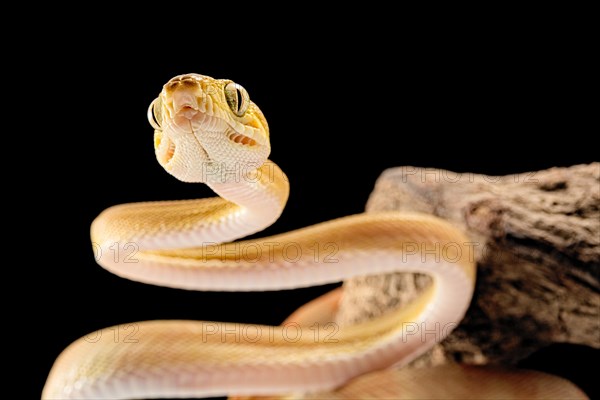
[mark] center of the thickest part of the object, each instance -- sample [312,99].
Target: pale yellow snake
[208,130]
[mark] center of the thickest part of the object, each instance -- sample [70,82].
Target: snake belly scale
[208,130]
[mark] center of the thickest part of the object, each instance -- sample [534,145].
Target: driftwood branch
[538,255]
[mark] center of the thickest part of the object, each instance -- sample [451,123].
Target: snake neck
[248,203]
[261,195]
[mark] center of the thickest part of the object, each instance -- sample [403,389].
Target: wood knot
[486,217]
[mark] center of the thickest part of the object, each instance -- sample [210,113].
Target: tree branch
[537,245]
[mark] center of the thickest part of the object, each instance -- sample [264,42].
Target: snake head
[208,130]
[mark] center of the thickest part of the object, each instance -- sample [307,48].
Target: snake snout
[185,104]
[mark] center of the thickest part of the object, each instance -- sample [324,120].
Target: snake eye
[155,114]
[237,97]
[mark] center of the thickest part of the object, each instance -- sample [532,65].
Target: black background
[341,109]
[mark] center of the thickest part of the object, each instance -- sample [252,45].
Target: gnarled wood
[536,239]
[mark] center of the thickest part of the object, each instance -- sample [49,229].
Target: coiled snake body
[208,130]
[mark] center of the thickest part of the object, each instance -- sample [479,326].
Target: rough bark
[538,256]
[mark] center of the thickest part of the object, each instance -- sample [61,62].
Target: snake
[207,130]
